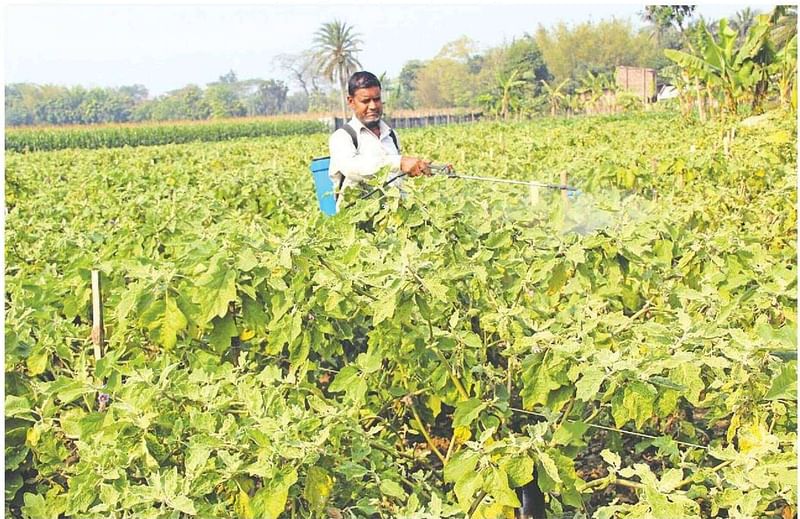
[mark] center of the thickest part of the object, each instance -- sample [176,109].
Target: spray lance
[447,170]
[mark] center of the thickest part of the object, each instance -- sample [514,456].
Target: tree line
[553,70]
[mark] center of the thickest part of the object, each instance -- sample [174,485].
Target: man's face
[367,105]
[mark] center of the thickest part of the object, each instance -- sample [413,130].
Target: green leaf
[496,485]
[558,279]
[589,384]
[784,385]
[519,468]
[460,465]
[220,336]
[298,350]
[371,361]
[68,390]
[285,258]
[438,291]
[612,458]
[466,488]
[635,403]
[183,504]
[16,406]
[467,411]
[35,507]
[549,467]
[688,375]
[197,454]
[216,289]
[570,433]
[670,480]
[253,314]
[384,308]
[344,379]
[392,489]
[662,249]
[296,326]
[13,483]
[318,488]
[537,382]
[165,320]
[247,260]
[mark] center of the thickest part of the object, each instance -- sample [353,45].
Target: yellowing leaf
[242,507]
[269,502]
[37,362]
[32,436]
[318,489]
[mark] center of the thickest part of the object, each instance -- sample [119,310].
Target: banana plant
[784,69]
[740,73]
[554,95]
[509,85]
[594,85]
[679,78]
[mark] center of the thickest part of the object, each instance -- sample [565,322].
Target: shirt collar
[358,125]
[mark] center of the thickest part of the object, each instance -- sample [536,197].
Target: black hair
[361,79]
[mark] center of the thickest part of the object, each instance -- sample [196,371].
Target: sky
[165,47]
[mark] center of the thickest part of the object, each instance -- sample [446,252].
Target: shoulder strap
[351,131]
[394,139]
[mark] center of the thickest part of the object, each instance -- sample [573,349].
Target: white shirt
[362,163]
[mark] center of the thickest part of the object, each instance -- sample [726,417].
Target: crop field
[152,134]
[633,348]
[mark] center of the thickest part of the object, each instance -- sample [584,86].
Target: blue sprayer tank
[324,185]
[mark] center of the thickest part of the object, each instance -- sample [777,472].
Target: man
[376,144]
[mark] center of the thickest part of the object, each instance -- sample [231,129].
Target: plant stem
[453,377]
[450,447]
[632,318]
[688,480]
[476,503]
[425,433]
[564,416]
[604,482]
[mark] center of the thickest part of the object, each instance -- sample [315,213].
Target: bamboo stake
[98,333]
[564,195]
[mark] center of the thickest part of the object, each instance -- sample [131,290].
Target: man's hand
[414,166]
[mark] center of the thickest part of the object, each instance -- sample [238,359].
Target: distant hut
[637,80]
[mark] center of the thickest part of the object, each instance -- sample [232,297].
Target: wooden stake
[534,195]
[98,333]
[564,183]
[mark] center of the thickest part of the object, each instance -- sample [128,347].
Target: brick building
[640,81]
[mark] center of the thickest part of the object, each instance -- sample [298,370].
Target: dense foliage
[30,104]
[111,136]
[410,357]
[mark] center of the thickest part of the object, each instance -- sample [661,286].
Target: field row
[413,356]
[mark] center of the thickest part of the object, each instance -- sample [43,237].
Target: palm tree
[335,49]
[744,19]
